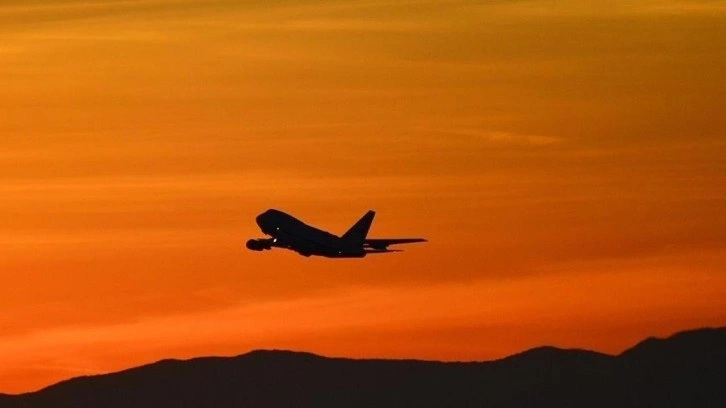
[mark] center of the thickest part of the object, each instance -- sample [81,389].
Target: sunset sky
[565,159]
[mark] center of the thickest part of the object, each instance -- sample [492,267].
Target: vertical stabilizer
[356,235]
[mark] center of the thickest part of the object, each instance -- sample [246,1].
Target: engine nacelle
[258,244]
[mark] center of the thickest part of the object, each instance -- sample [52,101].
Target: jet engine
[259,244]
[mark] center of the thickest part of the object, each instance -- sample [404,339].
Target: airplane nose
[260,219]
[264,222]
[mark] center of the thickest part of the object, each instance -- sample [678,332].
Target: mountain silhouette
[687,369]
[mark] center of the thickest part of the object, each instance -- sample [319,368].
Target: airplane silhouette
[290,233]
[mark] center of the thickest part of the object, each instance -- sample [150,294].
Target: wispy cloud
[593,8]
[499,137]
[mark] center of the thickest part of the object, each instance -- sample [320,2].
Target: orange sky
[566,160]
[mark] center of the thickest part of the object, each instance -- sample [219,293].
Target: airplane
[290,233]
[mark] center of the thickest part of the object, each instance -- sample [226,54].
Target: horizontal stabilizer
[381,251]
[383,243]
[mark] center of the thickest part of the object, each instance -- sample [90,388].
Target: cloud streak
[501,137]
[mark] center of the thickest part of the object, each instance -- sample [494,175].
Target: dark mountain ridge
[686,369]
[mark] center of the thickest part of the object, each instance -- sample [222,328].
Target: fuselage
[289,232]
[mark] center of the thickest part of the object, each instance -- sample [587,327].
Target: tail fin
[356,235]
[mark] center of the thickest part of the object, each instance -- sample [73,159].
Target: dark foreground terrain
[685,370]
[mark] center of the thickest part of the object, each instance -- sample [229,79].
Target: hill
[686,369]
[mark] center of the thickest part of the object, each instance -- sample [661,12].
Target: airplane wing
[383,243]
